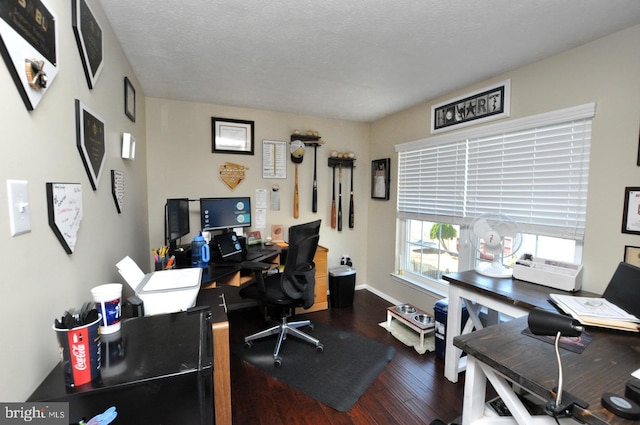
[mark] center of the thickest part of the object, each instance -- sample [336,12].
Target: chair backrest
[624,288]
[298,279]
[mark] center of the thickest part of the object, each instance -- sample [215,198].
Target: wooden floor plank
[410,390]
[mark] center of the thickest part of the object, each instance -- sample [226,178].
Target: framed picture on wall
[632,255]
[129,100]
[631,213]
[232,136]
[90,40]
[638,160]
[64,202]
[380,178]
[29,46]
[90,139]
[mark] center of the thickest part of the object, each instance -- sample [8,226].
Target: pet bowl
[423,319]
[405,309]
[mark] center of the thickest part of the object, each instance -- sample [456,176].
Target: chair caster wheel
[319,348]
[277,362]
[311,327]
[248,344]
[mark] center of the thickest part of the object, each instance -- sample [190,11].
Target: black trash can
[342,284]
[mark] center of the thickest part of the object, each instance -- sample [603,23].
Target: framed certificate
[631,213]
[232,136]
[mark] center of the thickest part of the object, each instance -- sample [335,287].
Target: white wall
[607,72]
[181,164]
[39,280]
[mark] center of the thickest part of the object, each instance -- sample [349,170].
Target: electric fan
[490,234]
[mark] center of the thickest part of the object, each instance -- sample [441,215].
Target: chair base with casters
[283,329]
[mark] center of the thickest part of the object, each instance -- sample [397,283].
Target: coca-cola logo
[80,354]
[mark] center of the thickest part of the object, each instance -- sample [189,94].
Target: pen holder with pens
[165,263]
[162,260]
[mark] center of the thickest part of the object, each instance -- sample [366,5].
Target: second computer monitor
[225,213]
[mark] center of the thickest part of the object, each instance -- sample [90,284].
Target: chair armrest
[255,265]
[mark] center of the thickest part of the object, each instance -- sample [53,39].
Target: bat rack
[307,140]
[342,162]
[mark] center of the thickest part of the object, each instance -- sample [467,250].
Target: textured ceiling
[350,59]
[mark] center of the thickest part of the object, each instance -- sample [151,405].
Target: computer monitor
[225,213]
[176,219]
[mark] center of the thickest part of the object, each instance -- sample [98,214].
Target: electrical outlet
[19,215]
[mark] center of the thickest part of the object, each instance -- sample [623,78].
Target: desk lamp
[543,322]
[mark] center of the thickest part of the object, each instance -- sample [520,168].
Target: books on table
[596,312]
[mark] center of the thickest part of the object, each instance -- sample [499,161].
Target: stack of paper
[597,312]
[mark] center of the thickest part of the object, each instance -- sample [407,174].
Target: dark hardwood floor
[410,390]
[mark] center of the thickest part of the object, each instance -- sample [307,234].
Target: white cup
[108,302]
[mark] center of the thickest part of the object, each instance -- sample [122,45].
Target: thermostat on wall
[128,146]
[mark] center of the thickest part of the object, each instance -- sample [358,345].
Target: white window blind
[534,170]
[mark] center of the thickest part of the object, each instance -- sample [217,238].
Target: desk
[232,273]
[235,276]
[155,370]
[221,353]
[502,353]
[512,297]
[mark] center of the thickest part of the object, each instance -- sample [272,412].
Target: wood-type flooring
[411,390]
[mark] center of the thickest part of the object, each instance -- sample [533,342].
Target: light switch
[19,208]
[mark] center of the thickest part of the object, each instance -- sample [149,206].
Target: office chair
[292,288]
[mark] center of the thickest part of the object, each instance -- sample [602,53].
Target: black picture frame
[90,140]
[232,136]
[631,212]
[380,178]
[632,255]
[129,99]
[90,40]
[487,104]
[638,160]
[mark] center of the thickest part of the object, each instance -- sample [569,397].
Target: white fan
[490,234]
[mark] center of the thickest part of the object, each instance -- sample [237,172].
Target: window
[534,170]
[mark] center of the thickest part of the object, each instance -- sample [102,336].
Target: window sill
[430,287]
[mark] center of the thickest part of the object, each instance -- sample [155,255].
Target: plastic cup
[80,353]
[108,302]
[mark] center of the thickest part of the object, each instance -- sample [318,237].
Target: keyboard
[254,253]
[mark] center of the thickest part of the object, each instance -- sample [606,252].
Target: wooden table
[512,297]
[503,354]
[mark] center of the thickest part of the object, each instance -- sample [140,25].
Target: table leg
[454,316]
[475,385]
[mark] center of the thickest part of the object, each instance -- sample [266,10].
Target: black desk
[156,369]
[502,353]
